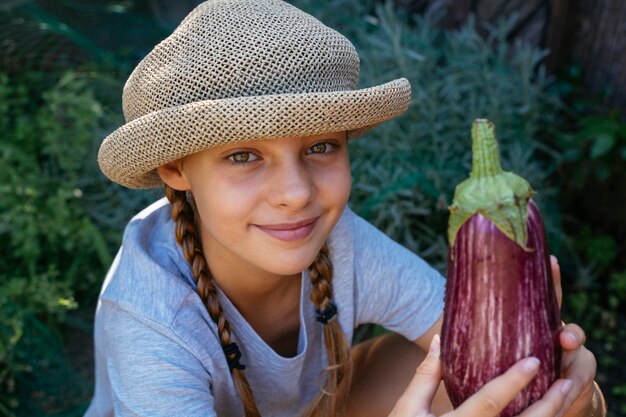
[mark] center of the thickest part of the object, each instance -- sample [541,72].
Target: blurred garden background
[550,74]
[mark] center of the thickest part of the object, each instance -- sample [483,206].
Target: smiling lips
[290,232]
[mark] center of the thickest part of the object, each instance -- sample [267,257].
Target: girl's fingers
[572,337]
[551,402]
[580,367]
[418,397]
[556,278]
[495,395]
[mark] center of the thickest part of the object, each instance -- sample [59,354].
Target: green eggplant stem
[485,152]
[500,196]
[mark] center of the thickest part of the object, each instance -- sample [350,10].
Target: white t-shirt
[157,349]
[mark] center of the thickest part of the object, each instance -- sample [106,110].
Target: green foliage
[606,134]
[597,147]
[599,249]
[596,298]
[50,247]
[593,147]
[620,392]
[405,171]
[617,288]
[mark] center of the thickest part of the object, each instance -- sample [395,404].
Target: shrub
[50,247]
[405,171]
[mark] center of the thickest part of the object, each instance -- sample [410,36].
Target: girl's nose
[291,186]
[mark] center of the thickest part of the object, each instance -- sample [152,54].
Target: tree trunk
[596,39]
[591,33]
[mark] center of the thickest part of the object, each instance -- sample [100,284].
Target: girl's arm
[425,340]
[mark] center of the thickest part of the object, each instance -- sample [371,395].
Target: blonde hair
[333,395]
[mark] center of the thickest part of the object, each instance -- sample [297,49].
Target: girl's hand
[489,400]
[577,364]
[568,397]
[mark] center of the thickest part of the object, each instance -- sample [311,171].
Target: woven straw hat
[237,70]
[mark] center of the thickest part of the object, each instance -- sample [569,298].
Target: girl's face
[269,205]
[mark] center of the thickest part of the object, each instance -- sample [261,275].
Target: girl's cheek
[341,180]
[336,177]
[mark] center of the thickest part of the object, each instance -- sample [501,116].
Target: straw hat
[237,70]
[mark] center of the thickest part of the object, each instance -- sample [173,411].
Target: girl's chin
[291,271]
[290,266]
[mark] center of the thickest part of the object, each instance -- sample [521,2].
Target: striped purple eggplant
[500,303]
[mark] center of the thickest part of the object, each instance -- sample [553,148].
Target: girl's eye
[242,157]
[322,147]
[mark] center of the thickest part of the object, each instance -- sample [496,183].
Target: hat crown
[241,48]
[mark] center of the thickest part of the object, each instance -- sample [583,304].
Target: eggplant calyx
[500,196]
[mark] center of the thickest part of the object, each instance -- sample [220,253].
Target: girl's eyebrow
[238,147]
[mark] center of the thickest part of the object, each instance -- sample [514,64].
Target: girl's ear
[173,175]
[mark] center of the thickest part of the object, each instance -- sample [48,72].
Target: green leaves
[46,139]
[404,171]
[596,150]
[604,133]
[50,245]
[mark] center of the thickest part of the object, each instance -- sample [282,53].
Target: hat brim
[131,154]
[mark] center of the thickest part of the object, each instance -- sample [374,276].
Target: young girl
[238,294]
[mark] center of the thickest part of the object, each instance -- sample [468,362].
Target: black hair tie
[327,315]
[233,349]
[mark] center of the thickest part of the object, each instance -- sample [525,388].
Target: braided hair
[332,397]
[189,241]
[330,400]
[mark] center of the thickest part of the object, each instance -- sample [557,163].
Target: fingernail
[566,386]
[572,336]
[435,346]
[530,365]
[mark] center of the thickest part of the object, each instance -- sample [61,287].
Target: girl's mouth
[290,232]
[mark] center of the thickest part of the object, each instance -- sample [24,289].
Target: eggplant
[500,302]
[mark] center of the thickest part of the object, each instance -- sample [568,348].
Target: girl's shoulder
[149,277]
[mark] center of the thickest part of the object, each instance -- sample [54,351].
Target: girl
[239,293]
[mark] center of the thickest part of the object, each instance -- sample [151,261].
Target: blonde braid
[188,239]
[333,396]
